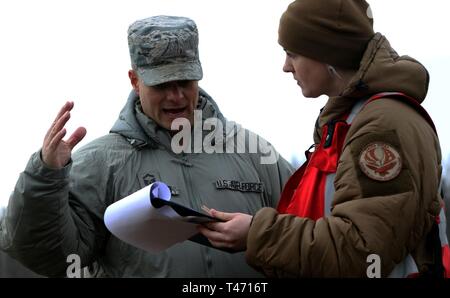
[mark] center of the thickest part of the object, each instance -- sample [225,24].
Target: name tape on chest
[240,186]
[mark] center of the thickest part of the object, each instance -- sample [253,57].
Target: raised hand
[56,152]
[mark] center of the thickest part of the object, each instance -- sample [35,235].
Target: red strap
[446,260]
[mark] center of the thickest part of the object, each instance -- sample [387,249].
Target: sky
[54,51]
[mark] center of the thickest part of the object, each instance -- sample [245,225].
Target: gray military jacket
[53,214]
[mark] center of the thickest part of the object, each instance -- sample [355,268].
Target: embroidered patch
[174,191]
[240,186]
[148,179]
[380,161]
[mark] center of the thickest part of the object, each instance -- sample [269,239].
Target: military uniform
[53,214]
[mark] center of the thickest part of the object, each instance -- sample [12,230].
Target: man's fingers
[65,108]
[56,127]
[63,112]
[54,142]
[76,137]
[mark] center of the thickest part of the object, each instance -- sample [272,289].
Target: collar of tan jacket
[381,70]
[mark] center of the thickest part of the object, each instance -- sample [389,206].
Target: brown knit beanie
[335,32]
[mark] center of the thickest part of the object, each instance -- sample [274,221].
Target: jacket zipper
[186,165]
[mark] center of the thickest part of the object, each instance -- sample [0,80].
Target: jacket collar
[142,131]
[381,70]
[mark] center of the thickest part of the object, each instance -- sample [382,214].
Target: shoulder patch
[380,161]
[380,164]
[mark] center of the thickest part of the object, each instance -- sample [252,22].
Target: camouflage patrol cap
[164,49]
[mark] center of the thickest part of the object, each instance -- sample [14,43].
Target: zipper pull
[331,125]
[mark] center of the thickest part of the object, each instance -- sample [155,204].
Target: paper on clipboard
[148,219]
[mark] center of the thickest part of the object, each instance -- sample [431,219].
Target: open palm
[56,152]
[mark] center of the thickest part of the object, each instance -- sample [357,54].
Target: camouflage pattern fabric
[165,48]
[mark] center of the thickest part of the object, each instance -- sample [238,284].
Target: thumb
[76,137]
[222,215]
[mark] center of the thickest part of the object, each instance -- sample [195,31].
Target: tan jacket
[390,219]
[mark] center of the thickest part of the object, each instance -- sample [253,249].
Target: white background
[53,51]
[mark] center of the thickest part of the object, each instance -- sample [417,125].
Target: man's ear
[134,80]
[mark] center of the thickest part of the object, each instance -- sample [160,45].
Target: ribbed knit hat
[335,32]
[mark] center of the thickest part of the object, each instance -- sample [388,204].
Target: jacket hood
[381,70]
[129,126]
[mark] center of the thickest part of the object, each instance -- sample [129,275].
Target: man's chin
[177,123]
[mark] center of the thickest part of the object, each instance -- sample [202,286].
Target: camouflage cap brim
[191,71]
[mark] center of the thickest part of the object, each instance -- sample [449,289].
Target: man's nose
[175,92]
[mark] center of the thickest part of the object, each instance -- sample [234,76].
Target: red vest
[310,190]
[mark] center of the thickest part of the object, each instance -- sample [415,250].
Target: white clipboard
[147,219]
